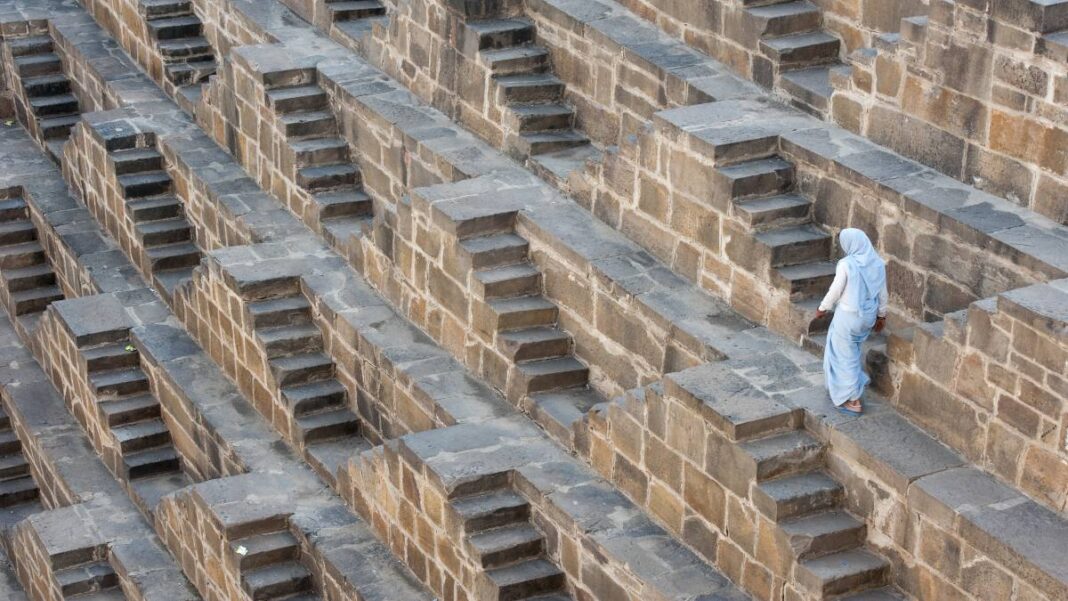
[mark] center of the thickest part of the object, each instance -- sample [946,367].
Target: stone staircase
[498,533]
[50,104]
[270,562]
[28,279]
[354,10]
[188,58]
[94,580]
[319,156]
[532,98]
[800,53]
[160,226]
[16,484]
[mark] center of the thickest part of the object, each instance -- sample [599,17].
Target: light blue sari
[853,318]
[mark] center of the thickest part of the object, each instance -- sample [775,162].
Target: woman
[859,291]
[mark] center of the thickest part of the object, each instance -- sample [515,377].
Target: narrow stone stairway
[188,58]
[499,533]
[322,422]
[90,581]
[51,107]
[160,226]
[324,167]
[17,486]
[28,279]
[541,125]
[269,560]
[800,53]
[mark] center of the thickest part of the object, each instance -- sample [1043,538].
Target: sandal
[846,410]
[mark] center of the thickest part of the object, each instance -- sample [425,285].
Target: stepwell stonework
[513,300]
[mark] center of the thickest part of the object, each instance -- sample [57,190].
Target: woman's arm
[884,301]
[834,294]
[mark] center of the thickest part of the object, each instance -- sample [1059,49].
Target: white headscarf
[866,265]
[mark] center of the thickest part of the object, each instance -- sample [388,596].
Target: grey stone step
[190,72]
[301,369]
[35,300]
[135,160]
[809,280]
[170,28]
[9,442]
[50,106]
[111,594]
[86,578]
[34,65]
[165,8]
[523,312]
[297,98]
[319,151]
[118,382]
[533,344]
[110,356]
[535,143]
[760,177]
[17,490]
[138,436]
[495,250]
[308,124]
[797,495]
[796,245]
[810,87]
[801,48]
[46,85]
[148,183]
[490,510]
[13,466]
[355,9]
[13,209]
[173,256]
[328,177]
[265,549]
[277,580]
[26,254]
[328,424]
[784,454]
[500,33]
[57,127]
[882,594]
[163,231]
[843,572]
[784,18]
[17,232]
[155,208]
[529,87]
[553,374]
[303,399]
[131,409]
[521,279]
[184,48]
[526,579]
[507,544]
[540,117]
[287,310]
[823,533]
[151,462]
[344,203]
[517,59]
[749,3]
[781,210]
[38,44]
[290,339]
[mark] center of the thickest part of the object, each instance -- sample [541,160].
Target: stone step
[797,495]
[277,580]
[17,232]
[533,344]
[154,9]
[319,151]
[516,59]
[111,594]
[560,373]
[301,369]
[308,124]
[13,209]
[328,177]
[86,578]
[779,211]
[135,160]
[344,203]
[163,231]
[842,572]
[110,356]
[540,117]
[496,250]
[132,409]
[882,594]
[288,310]
[148,183]
[9,443]
[529,88]
[350,10]
[310,97]
[507,544]
[823,533]
[34,65]
[291,339]
[491,510]
[5,420]
[119,382]
[184,48]
[526,579]
[155,208]
[492,34]
[17,490]
[173,256]
[810,87]
[809,280]
[478,219]
[51,106]
[57,127]
[328,424]
[35,300]
[303,399]
[784,454]
[752,3]
[792,16]
[535,143]
[26,254]
[795,245]
[138,436]
[519,313]
[171,28]
[46,85]
[801,49]
[264,549]
[152,462]
[38,44]
[760,177]
[190,72]
[14,466]
[521,279]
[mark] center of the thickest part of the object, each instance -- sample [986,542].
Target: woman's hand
[820,314]
[880,323]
